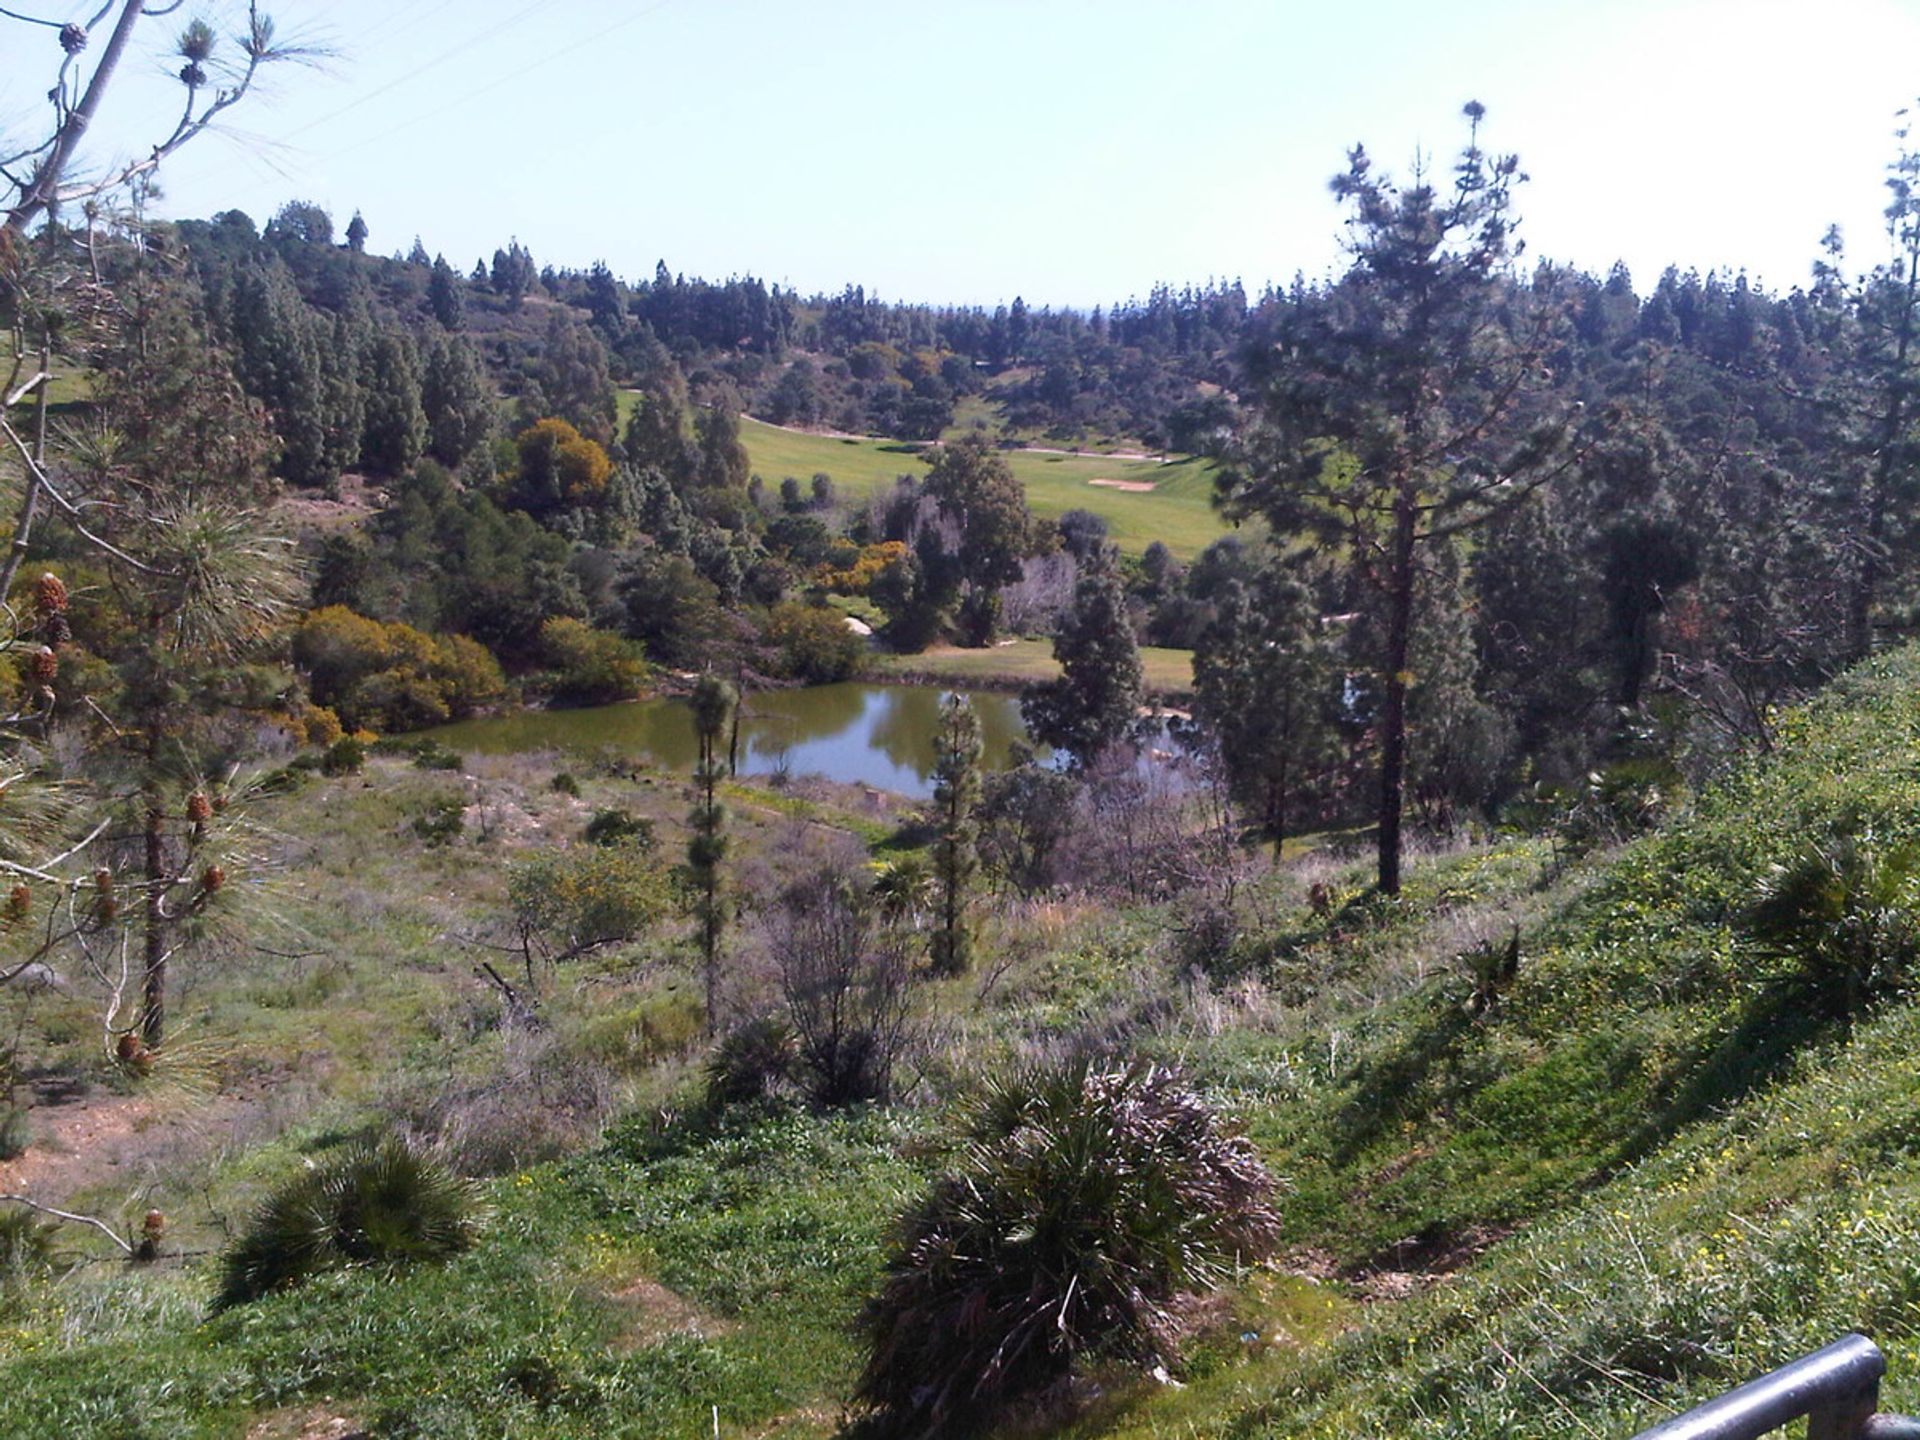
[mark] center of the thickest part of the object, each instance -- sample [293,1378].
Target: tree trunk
[1393,715]
[153,1015]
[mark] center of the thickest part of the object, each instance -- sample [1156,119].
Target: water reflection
[880,735]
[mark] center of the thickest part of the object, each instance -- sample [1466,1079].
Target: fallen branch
[67,1215]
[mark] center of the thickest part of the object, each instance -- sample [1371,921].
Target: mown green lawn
[1178,510]
[1019,662]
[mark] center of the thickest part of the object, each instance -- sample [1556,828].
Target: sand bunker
[1132,487]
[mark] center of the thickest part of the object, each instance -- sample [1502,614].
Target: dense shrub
[589,666]
[1083,1201]
[445,817]
[618,826]
[384,1204]
[754,1061]
[815,644]
[345,756]
[391,676]
[14,1134]
[567,902]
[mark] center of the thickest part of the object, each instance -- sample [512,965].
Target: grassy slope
[1178,510]
[1020,662]
[1696,1176]
[1707,1177]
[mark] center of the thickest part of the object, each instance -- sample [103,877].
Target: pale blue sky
[1073,152]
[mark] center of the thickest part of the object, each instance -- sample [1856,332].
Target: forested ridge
[1430,951]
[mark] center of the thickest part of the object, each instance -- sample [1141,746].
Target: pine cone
[45,664]
[49,594]
[199,808]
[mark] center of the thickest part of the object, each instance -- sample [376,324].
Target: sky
[1073,152]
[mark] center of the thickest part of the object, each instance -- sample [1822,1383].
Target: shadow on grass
[1401,1084]
[1760,1048]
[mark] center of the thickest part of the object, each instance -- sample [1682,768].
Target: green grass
[1021,662]
[624,1293]
[1177,511]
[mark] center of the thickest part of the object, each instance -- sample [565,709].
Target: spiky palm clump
[375,1204]
[1846,910]
[1083,1201]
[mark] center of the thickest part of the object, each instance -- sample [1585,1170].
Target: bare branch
[67,1215]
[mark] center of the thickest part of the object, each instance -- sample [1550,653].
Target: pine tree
[513,274]
[1096,697]
[279,361]
[204,589]
[342,358]
[714,703]
[443,295]
[723,459]
[395,433]
[1263,682]
[1883,369]
[456,399]
[604,303]
[575,382]
[957,748]
[357,234]
[1406,404]
[656,437]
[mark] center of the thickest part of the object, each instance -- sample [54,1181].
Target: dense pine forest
[1377,890]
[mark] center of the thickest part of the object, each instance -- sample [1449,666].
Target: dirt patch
[69,1138]
[309,513]
[655,1312]
[121,1139]
[1409,1266]
[1131,487]
[310,1423]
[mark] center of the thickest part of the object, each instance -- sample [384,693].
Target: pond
[862,734]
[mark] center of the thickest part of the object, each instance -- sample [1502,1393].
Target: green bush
[26,1243]
[814,644]
[445,818]
[380,1204]
[617,826]
[14,1134]
[565,784]
[591,667]
[1082,1203]
[346,756]
[754,1061]
[426,754]
[572,901]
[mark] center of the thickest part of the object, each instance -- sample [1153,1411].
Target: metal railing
[1837,1389]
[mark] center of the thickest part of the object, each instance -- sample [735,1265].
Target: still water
[879,735]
